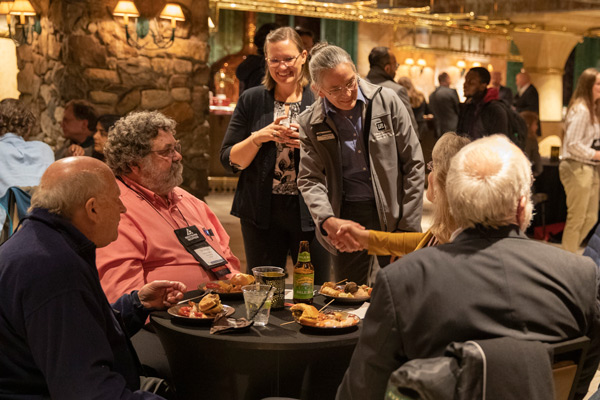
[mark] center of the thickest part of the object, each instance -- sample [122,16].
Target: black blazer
[252,199]
[529,101]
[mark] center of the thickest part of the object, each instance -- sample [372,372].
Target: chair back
[568,358]
[13,207]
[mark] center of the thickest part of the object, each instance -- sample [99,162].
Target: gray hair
[130,139]
[325,56]
[485,182]
[65,196]
[15,118]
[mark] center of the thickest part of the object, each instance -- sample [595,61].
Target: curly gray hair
[15,118]
[130,139]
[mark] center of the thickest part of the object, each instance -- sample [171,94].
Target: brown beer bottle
[304,276]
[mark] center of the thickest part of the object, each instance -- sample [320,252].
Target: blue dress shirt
[355,168]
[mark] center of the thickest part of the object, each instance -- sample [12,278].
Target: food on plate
[242,280]
[209,306]
[233,285]
[305,314]
[349,290]
[308,315]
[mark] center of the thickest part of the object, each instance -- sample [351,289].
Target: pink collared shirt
[147,248]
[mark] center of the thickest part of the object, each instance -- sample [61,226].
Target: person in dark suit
[383,70]
[527,98]
[444,104]
[504,93]
[490,281]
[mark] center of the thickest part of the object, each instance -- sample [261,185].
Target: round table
[275,360]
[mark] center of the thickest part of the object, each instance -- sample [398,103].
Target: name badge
[325,135]
[195,244]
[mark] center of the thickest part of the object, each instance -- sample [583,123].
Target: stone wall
[82,53]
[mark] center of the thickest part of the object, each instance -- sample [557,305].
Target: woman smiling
[262,142]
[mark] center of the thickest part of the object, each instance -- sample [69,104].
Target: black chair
[568,358]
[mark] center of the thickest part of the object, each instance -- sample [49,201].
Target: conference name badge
[325,135]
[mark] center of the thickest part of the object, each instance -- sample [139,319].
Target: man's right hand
[360,236]
[342,242]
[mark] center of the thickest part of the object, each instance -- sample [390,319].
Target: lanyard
[152,205]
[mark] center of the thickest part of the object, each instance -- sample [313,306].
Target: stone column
[82,53]
[544,57]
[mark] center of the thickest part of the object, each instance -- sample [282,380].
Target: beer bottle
[304,275]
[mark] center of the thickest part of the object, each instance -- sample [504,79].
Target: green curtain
[230,37]
[513,68]
[587,55]
[341,33]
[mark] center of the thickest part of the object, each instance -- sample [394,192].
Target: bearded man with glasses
[360,161]
[144,155]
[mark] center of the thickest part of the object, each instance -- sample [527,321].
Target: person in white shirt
[580,159]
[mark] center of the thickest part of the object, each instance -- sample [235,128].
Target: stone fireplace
[82,53]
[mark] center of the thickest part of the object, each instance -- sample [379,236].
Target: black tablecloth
[274,360]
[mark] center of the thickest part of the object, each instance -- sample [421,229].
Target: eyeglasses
[430,166]
[169,152]
[349,87]
[288,61]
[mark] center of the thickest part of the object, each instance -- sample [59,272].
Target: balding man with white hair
[491,281]
[59,336]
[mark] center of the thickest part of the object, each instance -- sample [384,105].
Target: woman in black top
[262,142]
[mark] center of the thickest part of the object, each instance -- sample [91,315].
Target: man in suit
[444,104]
[527,98]
[383,70]
[504,93]
[491,281]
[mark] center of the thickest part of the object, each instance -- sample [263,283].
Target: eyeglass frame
[337,92]
[169,152]
[273,62]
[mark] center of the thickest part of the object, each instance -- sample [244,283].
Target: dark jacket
[529,101]
[251,72]
[378,76]
[59,336]
[444,104]
[486,284]
[505,94]
[482,115]
[252,199]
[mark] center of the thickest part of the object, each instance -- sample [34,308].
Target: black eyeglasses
[169,152]
[348,87]
[288,61]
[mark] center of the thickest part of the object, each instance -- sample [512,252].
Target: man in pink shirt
[166,232]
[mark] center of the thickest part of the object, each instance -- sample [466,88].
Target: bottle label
[304,257]
[304,285]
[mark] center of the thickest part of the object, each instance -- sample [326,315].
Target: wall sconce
[127,9]
[476,64]
[421,63]
[409,61]
[25,26]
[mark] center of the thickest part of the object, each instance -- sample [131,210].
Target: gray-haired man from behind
[491,281]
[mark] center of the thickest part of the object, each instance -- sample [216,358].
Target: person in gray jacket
[383,70]
[360,160]
[491,281]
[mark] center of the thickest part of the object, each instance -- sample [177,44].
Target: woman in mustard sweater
[400,243]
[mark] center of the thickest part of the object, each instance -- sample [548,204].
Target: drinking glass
[258,300]
[272,276]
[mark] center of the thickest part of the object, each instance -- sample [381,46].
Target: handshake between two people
[347,236]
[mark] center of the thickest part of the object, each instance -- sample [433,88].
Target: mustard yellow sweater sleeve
[394,243]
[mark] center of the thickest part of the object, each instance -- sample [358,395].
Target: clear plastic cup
[274,276]
[258,300]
